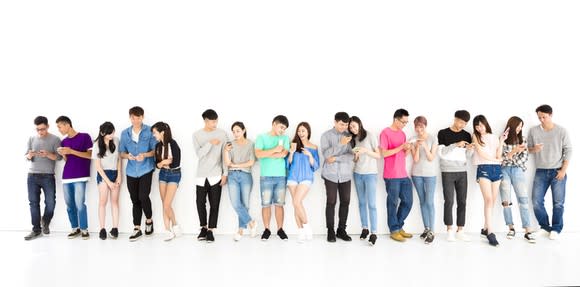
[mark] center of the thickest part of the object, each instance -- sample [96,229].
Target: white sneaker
[553,235]
[177,230]
[301,235]
[307,231]
[451,236]
[462,236]
[237,236]
[253,228]
[169,235]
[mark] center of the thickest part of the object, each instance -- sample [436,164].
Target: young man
[76,150]
[212,172]
[337,174]
[454,148]
[271,149]
[42,154]
[138,147]
[553,149]
[394,149]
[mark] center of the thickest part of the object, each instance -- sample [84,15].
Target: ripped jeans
[514,176]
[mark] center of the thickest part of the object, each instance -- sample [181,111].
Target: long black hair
[362,133]
[480,119]
[105,129]
[299,144]
[162,150]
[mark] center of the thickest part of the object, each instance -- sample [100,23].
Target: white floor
[55,260]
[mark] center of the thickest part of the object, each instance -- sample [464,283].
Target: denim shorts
[273,190]
[111,174]
[169,176]
[304,182]
[489,171]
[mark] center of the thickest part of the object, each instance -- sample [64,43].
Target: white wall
[252,60]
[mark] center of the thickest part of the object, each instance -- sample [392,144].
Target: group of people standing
[349,152]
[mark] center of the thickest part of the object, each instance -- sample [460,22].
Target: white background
[252,60]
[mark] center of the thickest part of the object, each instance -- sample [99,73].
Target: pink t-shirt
[395,165]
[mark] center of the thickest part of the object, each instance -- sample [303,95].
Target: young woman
[108,164]
[366,152]
[167,159]
[424,174]
[487,158]
[513,167]
[303,161]
[239,158]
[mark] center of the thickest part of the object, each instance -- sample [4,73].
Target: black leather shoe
[331,237]
[341,233]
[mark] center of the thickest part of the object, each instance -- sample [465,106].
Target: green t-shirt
[272,166]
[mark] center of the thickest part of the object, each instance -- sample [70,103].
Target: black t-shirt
[447,136]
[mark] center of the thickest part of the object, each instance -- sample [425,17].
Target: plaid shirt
[518,159]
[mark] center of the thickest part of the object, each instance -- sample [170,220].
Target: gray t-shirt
[209,156]
[557,146]
[365,163]
[109,161]
[242,153]
[48,143]
[424,167]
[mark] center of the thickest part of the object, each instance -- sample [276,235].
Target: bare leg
[103,197]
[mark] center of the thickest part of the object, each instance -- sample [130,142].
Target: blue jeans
[514,176]
[74,196]
[399,201]
[273,190]
[239,188]
[170,176]
[36,183]
[547,178]
[425,186]
[366,191]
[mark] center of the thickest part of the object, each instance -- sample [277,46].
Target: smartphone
[280,142]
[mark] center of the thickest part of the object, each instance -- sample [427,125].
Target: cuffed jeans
[425,186]
[239,188]
[514,176]
[74,196]
[399,201]
[38,182]
[543,179]
[366,191]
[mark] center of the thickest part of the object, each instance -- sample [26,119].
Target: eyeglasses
[403,122]
[40,129]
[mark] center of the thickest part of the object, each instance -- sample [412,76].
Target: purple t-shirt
[77,167]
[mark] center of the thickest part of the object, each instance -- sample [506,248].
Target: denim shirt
[146,144]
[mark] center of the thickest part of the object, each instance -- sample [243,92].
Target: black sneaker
[148,228]
[530,237]
[364,234]
[136,234]
[424,234]
[85,234]
[45,228]
[202,234]
[429,238]
[511,234]
[266,234]
[103,234]
[492,240]
[483,233]
[341,233]
[74,234]
[282,234]
[114,233]
[209,237]
[331,236]
[33,235]
[372,239]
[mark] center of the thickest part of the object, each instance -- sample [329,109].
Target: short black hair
[400,113]
[136,111]
[40,120]
[64,119]
[463,115]
[546,109]
[342,116]
[209,114]
[281,119]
